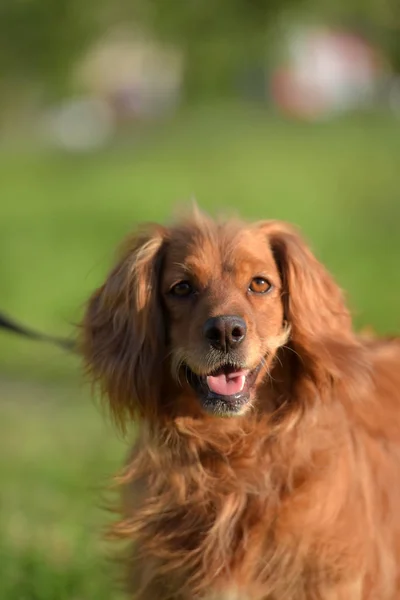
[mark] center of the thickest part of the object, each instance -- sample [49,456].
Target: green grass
[62,216]
[60,220]
[58,456]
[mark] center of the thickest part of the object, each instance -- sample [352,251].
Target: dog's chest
[212,527]
[219,526]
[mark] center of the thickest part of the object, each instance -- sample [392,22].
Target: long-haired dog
[267,455]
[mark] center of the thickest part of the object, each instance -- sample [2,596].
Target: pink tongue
[227,384]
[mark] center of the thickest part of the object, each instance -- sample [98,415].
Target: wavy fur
[298,498]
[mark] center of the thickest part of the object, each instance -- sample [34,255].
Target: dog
[266,464]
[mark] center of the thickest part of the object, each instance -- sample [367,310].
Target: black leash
[14,327]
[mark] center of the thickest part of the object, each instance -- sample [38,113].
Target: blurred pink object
[327,72]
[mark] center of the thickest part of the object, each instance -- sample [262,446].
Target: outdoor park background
[68,198]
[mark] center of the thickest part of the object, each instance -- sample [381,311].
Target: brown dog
[267,461]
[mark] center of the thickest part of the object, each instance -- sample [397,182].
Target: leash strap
[14,327]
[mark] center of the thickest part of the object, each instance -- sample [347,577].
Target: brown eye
[259,285]
[182,289]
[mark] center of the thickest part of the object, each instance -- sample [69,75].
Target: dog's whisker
[277,357]
[186,376]
[294,352]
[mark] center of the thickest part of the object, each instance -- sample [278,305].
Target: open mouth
[225,391]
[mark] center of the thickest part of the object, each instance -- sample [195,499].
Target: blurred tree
[41,39]
[219,38]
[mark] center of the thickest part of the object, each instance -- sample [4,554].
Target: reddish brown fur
[296,499]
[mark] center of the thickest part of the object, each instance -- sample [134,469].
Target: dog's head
[195,314]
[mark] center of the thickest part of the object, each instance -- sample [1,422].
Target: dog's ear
[314,305]
[123,332]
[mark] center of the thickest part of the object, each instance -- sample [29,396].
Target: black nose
[224,333]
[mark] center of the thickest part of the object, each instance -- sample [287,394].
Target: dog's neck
[296,395]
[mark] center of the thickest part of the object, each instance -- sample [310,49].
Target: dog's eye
[182,289]
[259,285]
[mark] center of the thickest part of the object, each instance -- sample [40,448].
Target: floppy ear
[314,305]
[123,334]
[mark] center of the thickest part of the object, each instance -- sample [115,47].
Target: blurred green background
[66,202]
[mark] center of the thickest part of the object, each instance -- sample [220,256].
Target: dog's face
[197,312]
[221,290]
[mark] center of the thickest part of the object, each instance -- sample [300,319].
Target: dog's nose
[224,333]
